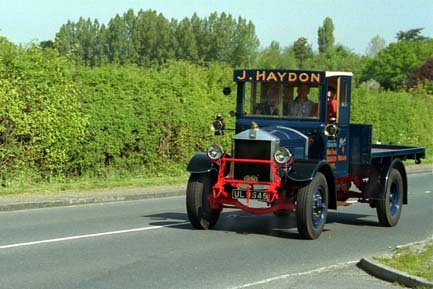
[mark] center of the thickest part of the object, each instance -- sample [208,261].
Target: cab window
[278,100]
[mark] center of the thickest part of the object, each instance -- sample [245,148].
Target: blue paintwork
[318,207]
[394,199]
[360,151]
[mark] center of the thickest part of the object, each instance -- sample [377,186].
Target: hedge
[62,120]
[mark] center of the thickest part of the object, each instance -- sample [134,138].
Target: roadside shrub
[397,117]
[148,120]
[41,123]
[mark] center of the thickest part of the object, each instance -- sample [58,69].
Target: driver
[302,106]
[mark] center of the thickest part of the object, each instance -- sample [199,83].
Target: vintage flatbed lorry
[297,153]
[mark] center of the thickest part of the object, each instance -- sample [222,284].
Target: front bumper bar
[220,198]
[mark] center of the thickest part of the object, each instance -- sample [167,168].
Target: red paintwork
[344,193]
[221,199]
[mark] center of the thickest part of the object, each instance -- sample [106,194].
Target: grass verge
[85,184]
[416,260]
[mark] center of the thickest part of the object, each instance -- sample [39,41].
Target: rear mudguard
[378,180]
[398,165]
[303,171]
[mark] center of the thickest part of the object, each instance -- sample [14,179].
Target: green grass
[89,184]
[418,262]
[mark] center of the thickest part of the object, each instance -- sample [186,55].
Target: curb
[387,273]
[90,200]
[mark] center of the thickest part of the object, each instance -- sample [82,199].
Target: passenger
[332,104]
[302,106]
[271,104]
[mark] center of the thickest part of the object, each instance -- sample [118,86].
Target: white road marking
[427,192]
[318,270]
[89,236]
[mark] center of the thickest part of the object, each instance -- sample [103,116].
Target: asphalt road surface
[150,244]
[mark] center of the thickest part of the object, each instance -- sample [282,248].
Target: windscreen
[280,100]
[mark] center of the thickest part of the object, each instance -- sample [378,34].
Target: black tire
[200,213]
[282,214]
[390,202]
[312,207]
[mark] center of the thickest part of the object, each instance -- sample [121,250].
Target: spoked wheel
[312,207]
[391,200]
[200,213]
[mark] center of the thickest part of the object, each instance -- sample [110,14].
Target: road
[150,244]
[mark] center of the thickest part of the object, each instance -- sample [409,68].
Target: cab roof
[337,73]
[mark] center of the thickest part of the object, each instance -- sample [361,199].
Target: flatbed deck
[379,152]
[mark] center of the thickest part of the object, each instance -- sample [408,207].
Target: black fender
[302,173]
[200,163]
[398,165]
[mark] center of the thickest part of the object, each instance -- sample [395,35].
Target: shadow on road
[269,225]
[236,222]
[351,219]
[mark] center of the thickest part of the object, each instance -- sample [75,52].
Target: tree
[149,38]
[186,41]
[46,44]
[153,38]
[117,40]
[302,50]
[392,65]
[65,39]
[410,35]
[245,43]
[376,44]
[326,36]
[79,39]
[421,74]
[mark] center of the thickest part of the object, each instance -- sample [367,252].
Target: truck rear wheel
[391,200]
[200,213]
[312,207]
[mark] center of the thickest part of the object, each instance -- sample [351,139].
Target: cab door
[343,124]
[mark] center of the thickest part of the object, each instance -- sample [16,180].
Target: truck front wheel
[200,213]
[391,200]
[312,207]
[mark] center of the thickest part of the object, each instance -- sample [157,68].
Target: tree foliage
[422,76]
[410,35]
[148,38]
[375,45]
[274,56]
[302,51]
[392,65]
[326,35]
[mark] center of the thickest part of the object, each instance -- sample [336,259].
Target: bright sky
[355,21]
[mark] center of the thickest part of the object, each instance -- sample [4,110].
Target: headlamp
[282,155]
[215,152]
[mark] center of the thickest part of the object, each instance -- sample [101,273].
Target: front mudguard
[302,173]
[200,163]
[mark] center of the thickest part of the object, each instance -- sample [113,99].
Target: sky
[356,22]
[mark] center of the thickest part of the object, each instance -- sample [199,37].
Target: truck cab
[295,151]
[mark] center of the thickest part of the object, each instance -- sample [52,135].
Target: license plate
[255,195]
